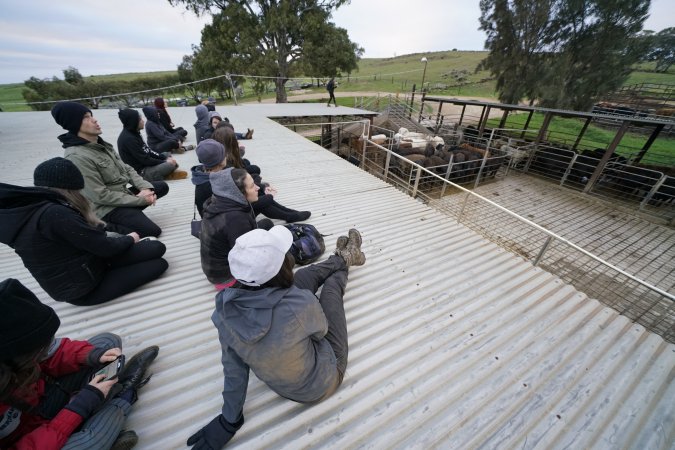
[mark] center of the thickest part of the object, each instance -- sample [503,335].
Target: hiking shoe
[355,238]
[249,133]
[176,175]
[341,243]
[352,255]
[125,441]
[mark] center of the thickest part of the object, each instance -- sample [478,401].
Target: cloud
[42,37]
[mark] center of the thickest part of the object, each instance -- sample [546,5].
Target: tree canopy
[273,38]
[660,48]
[562,53]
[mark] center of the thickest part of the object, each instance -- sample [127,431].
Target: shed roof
[454,342]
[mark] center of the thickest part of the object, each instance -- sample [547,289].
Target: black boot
[132,376]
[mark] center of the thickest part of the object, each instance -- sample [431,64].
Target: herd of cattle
[469,158]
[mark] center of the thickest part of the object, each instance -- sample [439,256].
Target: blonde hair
[81,204]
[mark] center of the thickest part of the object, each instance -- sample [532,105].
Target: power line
[227,75]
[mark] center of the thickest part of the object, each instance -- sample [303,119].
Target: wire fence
[445,188]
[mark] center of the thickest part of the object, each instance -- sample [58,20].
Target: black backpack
[308,243]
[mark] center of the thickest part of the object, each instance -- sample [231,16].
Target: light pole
[424,74]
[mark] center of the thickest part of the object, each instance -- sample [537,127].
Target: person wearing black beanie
[63,243]
[118,194]
[48,385]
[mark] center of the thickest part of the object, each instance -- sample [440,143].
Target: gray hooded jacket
[280,335]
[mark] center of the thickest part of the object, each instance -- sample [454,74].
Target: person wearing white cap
[271,322]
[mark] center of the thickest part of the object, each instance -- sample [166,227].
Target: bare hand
[148,195]
[103,386]
[172,161]
[134,235]
[110,355]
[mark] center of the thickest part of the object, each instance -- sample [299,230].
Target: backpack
[330,85]
[308,243]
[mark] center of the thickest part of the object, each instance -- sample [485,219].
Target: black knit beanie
[58,173]
[69,115]
[26,324]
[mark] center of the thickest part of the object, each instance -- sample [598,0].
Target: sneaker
[176,175]
[125,441]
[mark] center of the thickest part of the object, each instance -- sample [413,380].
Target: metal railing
[648,305]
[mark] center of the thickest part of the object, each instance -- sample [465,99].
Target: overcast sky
[42,37]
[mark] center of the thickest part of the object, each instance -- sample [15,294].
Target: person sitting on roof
[271,322]
[117,193]
[50,394]
[63,244]
[159,139]
[214,158]
[149,164]
[165,120]
[215,119]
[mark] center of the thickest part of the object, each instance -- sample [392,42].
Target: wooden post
[502,122]
[581,133]
[412,100]
[424,94]
[608,154]
[527,124]
[461,116]
[540,137]
[484,121]
[438,117]
[648,144]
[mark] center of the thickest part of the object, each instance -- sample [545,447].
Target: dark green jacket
[106,176]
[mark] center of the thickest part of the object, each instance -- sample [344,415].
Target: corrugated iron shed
[454,342]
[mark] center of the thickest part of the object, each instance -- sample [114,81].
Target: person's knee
[106,340]
[161,188]
[265,224]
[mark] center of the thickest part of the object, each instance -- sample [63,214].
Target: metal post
[447,174]
[412,100]
[569,169]
[542,251]
[482,165]
[653,191]
[461,211]
[608,154]
[417,181]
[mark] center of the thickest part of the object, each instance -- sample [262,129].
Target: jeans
[332,275]
[103,427]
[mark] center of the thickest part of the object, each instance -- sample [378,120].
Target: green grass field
[563,130]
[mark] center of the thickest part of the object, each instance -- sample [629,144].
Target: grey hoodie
[202,123]
[280,335]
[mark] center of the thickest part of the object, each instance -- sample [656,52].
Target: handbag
[195,224]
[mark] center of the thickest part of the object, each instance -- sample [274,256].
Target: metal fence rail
[634,298]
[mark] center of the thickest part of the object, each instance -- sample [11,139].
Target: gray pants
[332,274]
[158,172]
[103,427]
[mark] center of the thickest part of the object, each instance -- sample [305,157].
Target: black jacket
[65,254]
[200,178]
[226,217]
[133,149]
[154,130]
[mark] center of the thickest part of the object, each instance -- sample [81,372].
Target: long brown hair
[17,374]
[284,278]
[225,135]
[81,204]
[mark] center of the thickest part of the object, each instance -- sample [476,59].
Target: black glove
[216,434]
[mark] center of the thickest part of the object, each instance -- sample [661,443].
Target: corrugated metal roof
[454,342]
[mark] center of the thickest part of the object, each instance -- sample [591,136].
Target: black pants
[270,208]
[332,275]
[332,97]
[140,264]
[167,146]
[124,220]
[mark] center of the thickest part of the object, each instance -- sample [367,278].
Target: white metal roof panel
[454,342]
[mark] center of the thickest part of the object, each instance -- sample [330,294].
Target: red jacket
[22,430]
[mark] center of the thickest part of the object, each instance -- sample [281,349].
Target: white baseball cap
[257,256]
